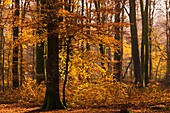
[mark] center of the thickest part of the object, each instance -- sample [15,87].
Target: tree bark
[52,97]
[66,70]
[151,17]
[168,38]
[134,42]
[68,42]
[15,49]
[117,55]
[1,49]
[24,6]
[40,71]
[101,47]
[144,45]
[40,63]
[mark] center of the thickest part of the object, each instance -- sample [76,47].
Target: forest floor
[18,108]
[29,97]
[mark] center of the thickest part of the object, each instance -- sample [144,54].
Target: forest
[84,56]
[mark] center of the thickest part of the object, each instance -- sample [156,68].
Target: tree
[1,47]
[66,70]
[40,75]
[144,45]
[134,42]
[40,50]
[117,54]
[24,7]
[15,49]
[68,51]
[52,97]
[168,38]
[101,46]
[150,30]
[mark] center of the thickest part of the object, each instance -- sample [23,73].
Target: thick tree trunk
[52,97]
[40,68]
[134,42]
[40,63]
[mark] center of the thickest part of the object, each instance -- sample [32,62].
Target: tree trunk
[15,49]
[144,46]
[66,71]
[21,65]
[121,35]
[157,68]
[34,62]
[68,42]
[8,69]
[117,55]
[168,38]
[40,63]
[88,20]
[23,13]
[1,49]
[40,71]
[151,17]
[101,47]
[2,58]
[134,42]
[52,97]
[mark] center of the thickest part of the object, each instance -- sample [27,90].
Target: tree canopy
[85,53]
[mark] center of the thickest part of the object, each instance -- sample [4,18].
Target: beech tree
[52,97]
[24,7]
[168,37]
[69,37]
[117,55]
[134,42]
[152,5]
[144,45]
[101,46]
[40,47]
[1,47]
[16,48]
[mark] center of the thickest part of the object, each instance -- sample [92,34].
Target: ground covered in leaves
[18,108]
[95,97]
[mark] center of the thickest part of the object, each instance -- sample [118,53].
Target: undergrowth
[90,94]
[29,93]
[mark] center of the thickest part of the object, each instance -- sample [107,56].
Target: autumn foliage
[94,94]
[84,54]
